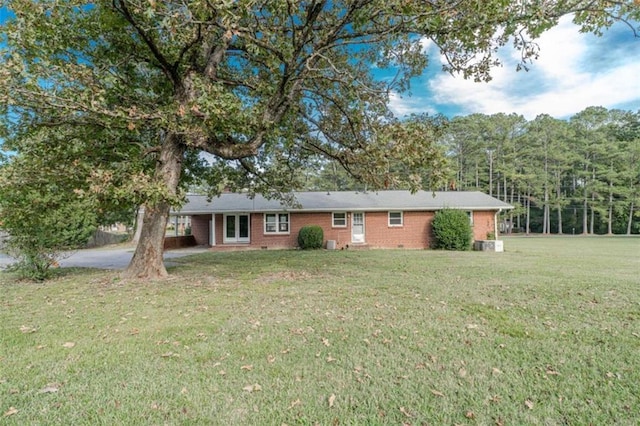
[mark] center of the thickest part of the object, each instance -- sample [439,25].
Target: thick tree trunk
[138,227]
[630,219]
[147,261]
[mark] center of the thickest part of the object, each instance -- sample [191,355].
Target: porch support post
[212,231]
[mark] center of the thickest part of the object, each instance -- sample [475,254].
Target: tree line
[574,176]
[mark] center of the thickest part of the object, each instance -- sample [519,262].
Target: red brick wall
[200,229]
[219,229]
[414,233]
[483,224]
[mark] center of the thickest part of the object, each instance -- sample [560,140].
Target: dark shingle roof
[345,201]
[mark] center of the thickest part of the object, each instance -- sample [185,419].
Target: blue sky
[574,71]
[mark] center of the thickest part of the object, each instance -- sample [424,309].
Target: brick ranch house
[383,219]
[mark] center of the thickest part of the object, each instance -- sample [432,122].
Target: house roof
[344,201]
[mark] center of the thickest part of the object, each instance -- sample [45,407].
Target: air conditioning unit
[489,245]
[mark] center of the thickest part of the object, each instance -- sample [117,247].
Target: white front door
[236,228]
[357,227]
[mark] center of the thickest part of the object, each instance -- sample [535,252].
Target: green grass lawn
[547,333]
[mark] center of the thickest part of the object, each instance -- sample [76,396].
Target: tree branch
[169,70]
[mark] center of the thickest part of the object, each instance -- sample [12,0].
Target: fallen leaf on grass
[529,404]
[252,388]
[11,411]
[405,412]
[295,403]
[325,342]
[332,400]
[330,358]
[27,330]
[470,415]
[437,393]
[68,345]
[247,367]
[51,388]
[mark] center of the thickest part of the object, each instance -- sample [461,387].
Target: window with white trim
[395,219]
[276,223]
[339,219]
[236,228]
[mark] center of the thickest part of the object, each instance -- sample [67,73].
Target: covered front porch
[217,230]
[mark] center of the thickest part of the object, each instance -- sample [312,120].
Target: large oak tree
[258,85]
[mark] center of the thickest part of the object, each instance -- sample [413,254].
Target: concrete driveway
[117,257]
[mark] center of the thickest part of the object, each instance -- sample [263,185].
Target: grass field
[546,333]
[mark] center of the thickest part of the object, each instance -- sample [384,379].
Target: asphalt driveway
[115,257]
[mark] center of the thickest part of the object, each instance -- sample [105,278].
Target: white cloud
[406,105]
[574,71]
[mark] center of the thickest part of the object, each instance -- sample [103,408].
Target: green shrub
[310,237]
[44,217]
[452,230]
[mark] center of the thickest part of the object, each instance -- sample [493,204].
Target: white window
[395,218]
[276,223]
[470,214]
[339,220]
[236,228]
